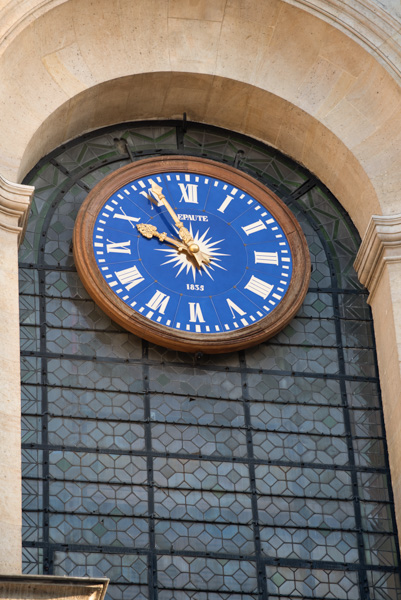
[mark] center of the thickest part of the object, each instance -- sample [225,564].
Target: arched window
[256,474]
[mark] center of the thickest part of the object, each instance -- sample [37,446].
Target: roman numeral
[225,204]
[233,307]
[266,258]
[121,247]
[153,199]
[195,313]
[129,277]
[254,227]
[189,192]
[259,287]
[125,217]
[158,302]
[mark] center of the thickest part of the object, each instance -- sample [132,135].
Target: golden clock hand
[150,231]
[183,232]
[158,194]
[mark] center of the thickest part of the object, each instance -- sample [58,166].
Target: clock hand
[150,231]
[183,232]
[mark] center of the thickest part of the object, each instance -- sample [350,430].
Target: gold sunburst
[183,262]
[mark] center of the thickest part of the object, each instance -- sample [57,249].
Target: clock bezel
[129,319]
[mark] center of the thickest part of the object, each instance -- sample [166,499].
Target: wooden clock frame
[136,323]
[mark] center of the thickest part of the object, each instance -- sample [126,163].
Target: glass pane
[124,568]
[206,573]
[315,583]
[309,544]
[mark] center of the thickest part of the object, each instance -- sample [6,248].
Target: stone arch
[226,103]
[286,76]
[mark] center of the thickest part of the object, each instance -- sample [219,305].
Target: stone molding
[365,21]
[15,201]
[16,16]
[40,587]
[380,245]
[369,23]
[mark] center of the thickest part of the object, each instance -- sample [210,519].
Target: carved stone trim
[380,245]
[15,200]
[40,587]
[371,25]
[368,22]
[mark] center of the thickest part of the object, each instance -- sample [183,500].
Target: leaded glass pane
[91,343]
[177,439]
[99,531]
[84,466]
[196,505]
[384,586]
[77,315]
[161,355]
[197,474]
[195,381]
[121,592]
[102,375]
[380,549]
[312,359]
[376,516]
[90,153]
[65,284]
[206,574]
[300,448]
[32,494]
[339,236]
[111,499]
[373,486]
[310,419]
[285,388]
[228,537]
[196,410]
[285,511]
[32,523]
[311,544]
[120,568]
[313,583]
[31,399]
[96,434]
[92,403]
[32,561]
[298,481]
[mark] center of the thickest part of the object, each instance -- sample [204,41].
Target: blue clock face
[246,265]
[191,254]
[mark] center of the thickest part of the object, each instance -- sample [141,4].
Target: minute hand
[183,232]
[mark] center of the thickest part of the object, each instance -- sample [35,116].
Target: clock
[191,254]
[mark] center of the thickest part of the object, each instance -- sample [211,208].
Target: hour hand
[150,231]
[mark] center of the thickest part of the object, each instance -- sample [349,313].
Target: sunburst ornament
[183,262]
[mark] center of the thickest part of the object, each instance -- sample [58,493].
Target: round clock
[191,254]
